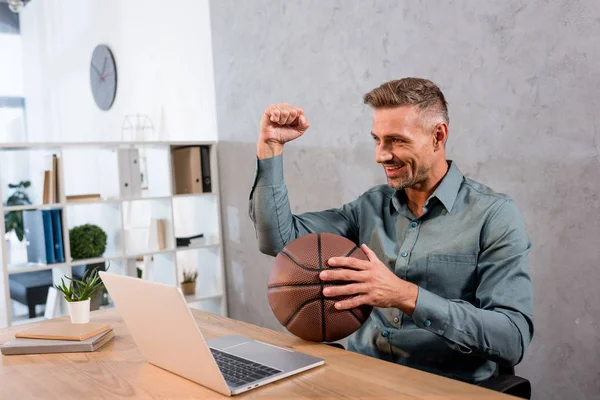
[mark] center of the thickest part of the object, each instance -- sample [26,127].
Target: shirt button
[396,319]
[427,322]
[414,224]
[385,333]
[404,254]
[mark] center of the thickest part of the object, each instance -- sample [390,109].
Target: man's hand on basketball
[372,283]
[280,123]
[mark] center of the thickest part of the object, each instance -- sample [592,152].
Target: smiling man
[448,270]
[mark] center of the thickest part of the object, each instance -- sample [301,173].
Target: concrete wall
[522,81]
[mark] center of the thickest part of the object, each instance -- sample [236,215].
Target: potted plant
[13,220]
[188,285]
[88,241]
[78,294]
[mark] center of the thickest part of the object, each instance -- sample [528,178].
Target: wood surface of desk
[118,371]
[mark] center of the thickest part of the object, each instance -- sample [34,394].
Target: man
[448,273]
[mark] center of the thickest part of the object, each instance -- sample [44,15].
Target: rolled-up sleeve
[501,326]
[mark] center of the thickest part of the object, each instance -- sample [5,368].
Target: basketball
[295,290]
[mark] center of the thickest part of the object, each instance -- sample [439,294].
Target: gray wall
[522,79]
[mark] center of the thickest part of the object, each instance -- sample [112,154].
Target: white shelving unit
[119,215]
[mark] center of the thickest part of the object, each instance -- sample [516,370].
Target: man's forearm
[499,334]
[406,301]
[265,149]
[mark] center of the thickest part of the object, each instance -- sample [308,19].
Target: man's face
[403,146]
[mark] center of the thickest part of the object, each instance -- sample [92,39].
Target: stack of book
[59,337]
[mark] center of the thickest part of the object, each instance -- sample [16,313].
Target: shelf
[94,201]
[119,200]
[193,195]
[121,257]
[127,217]
[196,297]
[31,267]
[50,145]
[197,246]
[33,207]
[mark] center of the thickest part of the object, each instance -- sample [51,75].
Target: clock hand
[104,76]
[96,69]
[104,65]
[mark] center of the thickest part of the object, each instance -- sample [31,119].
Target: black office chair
[504,380]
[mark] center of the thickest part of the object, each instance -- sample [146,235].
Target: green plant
[13,220]
[81,290]
[189,276]
[87,241]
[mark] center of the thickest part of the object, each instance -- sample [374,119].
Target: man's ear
[440,136]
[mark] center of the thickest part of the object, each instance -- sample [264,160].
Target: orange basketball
[296,291]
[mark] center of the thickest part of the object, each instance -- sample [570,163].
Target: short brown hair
[422,93]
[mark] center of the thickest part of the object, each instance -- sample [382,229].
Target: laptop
[166,333]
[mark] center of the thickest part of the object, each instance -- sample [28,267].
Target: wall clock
[103,77]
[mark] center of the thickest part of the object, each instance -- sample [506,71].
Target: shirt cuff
[431,312]
[269,171]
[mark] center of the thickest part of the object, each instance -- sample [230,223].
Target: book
[46,193]
[64,330]
[43,346]
[83,197]
[55,188]
[156,234]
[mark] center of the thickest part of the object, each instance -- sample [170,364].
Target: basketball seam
[298,310]
[352,251]
[322,300]
[355,316]
[293,285]
[288,255]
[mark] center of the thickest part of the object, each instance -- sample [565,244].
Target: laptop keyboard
[239,371]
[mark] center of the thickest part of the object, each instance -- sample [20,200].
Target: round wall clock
[103,77]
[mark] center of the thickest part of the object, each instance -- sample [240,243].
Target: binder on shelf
[205,160]
[191,169]
[130,180]
[57,232]
[40,236]
[134,170]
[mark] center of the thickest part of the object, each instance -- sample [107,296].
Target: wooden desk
[118,371]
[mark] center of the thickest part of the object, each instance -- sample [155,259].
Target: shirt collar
[446,191]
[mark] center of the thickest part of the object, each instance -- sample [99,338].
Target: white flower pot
[80,311]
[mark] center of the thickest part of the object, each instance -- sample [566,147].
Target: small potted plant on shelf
[88,241]
[188,285]
[78,294]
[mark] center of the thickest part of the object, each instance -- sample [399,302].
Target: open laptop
[166,333]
